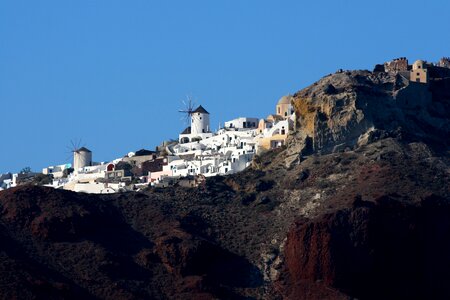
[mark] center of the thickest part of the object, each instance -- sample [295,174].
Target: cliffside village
[198,152]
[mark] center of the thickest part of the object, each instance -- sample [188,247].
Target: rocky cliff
[353,108]
[357,205]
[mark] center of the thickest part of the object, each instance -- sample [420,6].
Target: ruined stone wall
[444,62]
[396,65]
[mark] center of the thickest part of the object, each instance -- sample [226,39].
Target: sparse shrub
[316,161]
[346,160]
[25,170]
[246,199]
[263,200]
[66,172]
[266,204]
[303,175]
[264,185]
[42,179]
[337,159]
[323,184]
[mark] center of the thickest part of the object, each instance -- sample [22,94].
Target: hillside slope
[356,205]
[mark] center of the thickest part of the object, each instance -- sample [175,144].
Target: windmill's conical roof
[83,149]
[200,109]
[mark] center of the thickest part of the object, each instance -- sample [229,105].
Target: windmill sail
[188,108]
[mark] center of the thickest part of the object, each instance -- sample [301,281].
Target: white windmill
[82,157]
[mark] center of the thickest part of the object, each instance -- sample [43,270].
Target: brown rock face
[382,250]
[352,108]
[61,244]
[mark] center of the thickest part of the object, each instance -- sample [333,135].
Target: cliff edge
[353,108]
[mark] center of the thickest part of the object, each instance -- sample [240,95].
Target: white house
[242,123]
[56,171]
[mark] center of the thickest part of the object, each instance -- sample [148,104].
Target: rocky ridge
[353,108]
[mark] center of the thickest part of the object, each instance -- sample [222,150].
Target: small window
[418,74]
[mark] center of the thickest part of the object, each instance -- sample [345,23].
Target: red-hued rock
[382,250]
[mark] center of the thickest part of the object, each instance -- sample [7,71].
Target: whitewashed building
[242,123]
[56,171]
[201,152]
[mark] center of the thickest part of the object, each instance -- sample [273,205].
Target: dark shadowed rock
[382,250]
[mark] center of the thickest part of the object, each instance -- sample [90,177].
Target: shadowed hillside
[357,205]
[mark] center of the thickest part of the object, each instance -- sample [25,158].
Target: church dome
[285,100]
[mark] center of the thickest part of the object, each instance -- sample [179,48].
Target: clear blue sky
[113,73]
